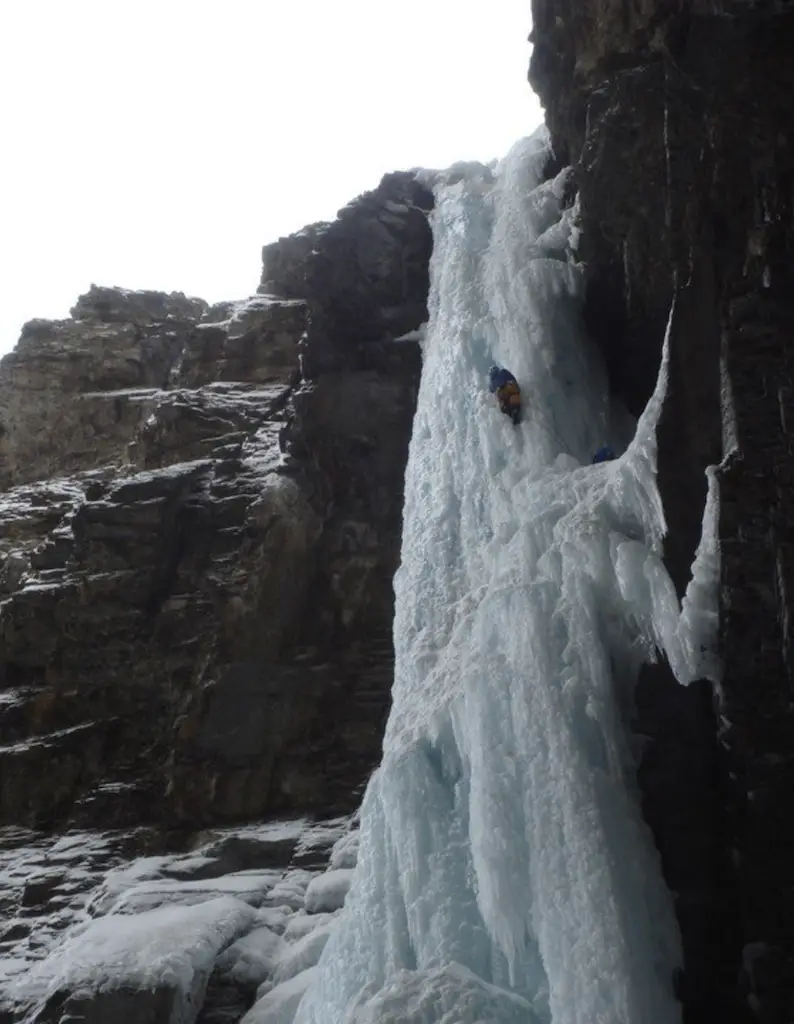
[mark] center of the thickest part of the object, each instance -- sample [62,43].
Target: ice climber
[503,384]
[604,454]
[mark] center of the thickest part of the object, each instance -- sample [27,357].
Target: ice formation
[504,871]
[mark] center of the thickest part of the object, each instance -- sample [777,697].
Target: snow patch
[278,1006]
[291,889]
[164,947]
[302,924]
[302,954]
[253,958]
[345,851]
[328,891]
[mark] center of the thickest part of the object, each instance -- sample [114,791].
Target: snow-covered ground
[505,871]
[248,911]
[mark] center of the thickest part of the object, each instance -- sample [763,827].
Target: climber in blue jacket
[604,454]
[503,384]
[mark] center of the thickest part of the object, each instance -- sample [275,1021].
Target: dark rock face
[73,391]
[365,274]
[198,539]
[678,119]
[122,1005]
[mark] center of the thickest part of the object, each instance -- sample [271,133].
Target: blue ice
[505,873]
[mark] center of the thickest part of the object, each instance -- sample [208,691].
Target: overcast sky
[160,143]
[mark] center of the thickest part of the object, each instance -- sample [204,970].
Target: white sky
[160,143]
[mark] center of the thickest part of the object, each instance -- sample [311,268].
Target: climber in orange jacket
[503,384]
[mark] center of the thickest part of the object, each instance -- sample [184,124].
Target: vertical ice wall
[505,873]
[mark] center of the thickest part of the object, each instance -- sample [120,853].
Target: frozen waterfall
[505,873]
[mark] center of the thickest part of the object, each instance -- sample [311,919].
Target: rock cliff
[201,511]
[679,120]
[200,523]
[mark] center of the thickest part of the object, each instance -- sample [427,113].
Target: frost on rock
[327,892]
[501,842]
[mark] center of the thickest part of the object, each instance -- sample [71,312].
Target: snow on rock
[317,838]
[250,887]
[234,313]
[345,851]
[149,882]
[278,1006]
[301,924]
[289,963]
[125,877]
[45,885]
[252,958]
[274,918]
[328,891]
[172,947]
[302,954]
[291,889]
[77,903]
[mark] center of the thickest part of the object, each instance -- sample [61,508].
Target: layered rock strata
[199,528]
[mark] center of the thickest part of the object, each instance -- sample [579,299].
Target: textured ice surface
[504,870]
